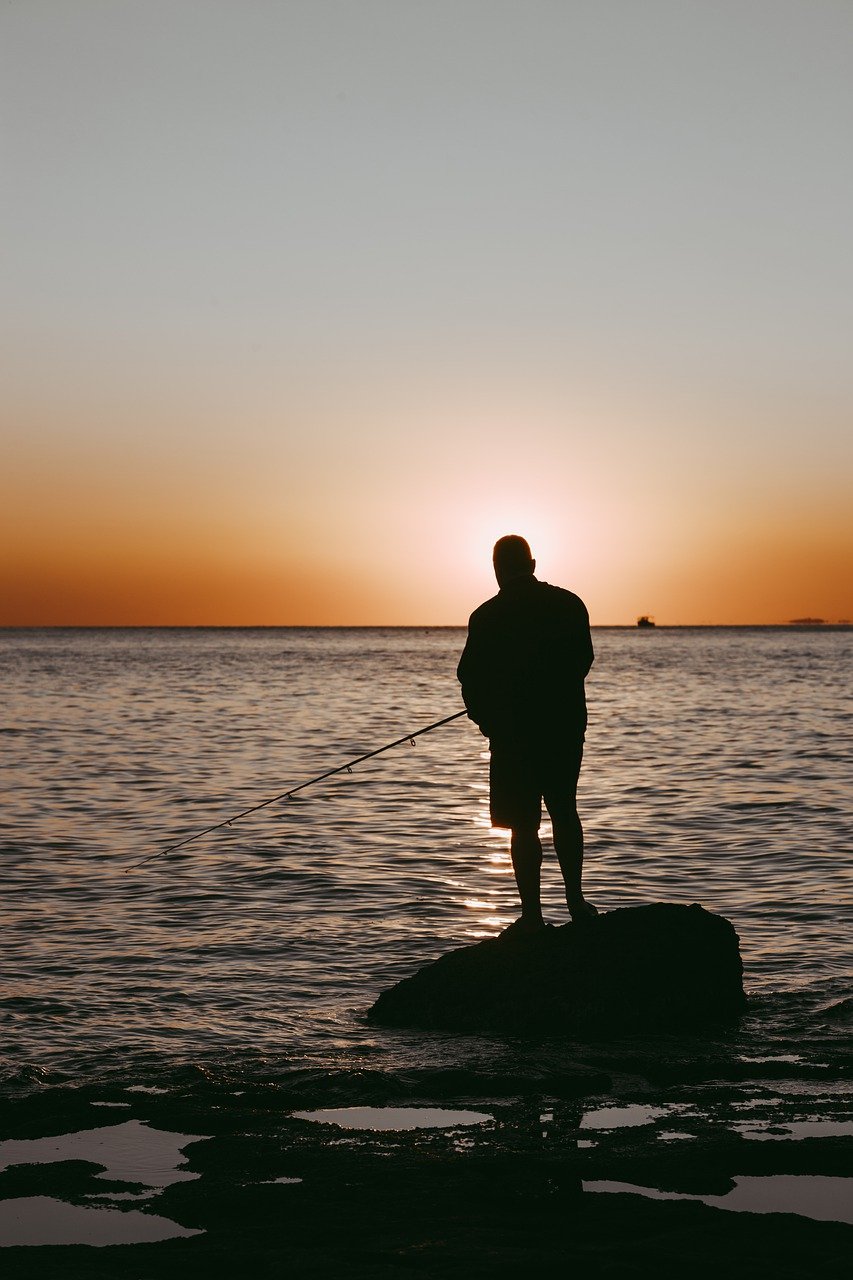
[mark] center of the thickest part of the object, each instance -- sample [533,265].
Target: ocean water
[183,997]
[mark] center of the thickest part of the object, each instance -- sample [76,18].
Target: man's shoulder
[508,604]
[485,610]
[561,598]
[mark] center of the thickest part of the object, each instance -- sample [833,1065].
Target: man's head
[512,559]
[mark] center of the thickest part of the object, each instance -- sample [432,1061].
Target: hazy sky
[305,303]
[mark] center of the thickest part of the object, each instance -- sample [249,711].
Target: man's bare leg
[526,850]
[568,846]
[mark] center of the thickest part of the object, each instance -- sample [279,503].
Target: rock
[654,968]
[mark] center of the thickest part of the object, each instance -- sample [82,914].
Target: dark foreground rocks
[655,968]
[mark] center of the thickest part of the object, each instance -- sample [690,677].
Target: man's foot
[524,925]
[583,912]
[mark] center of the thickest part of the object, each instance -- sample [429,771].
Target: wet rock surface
[659,967]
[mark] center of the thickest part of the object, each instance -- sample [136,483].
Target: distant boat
[645,621]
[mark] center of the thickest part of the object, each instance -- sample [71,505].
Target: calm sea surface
[717,771]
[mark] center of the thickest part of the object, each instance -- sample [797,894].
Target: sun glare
[485,527]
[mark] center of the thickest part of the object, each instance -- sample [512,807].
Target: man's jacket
[524,663]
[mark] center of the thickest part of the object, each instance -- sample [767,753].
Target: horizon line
[810,625]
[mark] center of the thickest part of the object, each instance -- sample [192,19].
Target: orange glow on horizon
[126,534]
[189,585]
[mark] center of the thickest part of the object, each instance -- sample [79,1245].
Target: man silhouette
[522,674]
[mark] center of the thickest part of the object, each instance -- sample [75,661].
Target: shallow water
[716,770]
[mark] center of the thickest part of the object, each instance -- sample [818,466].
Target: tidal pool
[769,1130]
[394,1118]
[825,1199]
[624,1117]
[42,1220]
[129,1152]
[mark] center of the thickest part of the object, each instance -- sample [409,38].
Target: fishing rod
[286,795]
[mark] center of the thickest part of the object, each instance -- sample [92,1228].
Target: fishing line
[286,795]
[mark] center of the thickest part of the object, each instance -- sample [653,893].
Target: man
[522,675]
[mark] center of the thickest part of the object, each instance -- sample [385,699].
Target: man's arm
[587,653]
[572,652]
[472,675]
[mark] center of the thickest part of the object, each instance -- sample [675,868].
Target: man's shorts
[522,775]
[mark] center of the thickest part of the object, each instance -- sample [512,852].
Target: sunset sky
[306,302]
